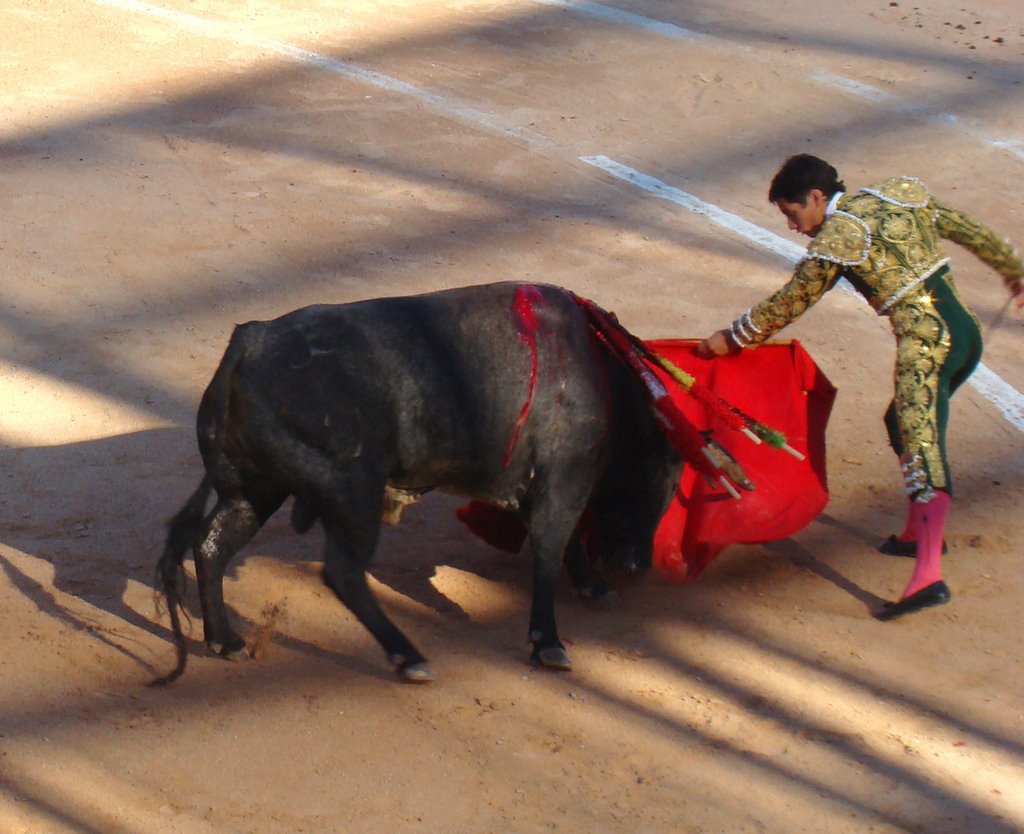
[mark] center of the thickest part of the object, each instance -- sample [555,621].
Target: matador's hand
[1018,294]
[717,344]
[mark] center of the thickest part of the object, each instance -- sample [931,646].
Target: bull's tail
[182,535]
[186,527]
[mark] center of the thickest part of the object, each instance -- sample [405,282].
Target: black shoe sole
[893,546]
[935,594]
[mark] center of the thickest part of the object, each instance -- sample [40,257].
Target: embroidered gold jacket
[886,240]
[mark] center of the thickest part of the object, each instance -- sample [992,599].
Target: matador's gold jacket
[886,240]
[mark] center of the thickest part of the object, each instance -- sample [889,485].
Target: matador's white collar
[831,207]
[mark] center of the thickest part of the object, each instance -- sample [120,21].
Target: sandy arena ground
[170,170]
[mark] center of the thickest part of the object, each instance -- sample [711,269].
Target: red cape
[780,386]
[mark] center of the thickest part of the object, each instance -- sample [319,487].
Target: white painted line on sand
[469,115]
[858,89]
[882,98]
[990,385]
[1014,146]
[609,14]
[720,217]
[224,31]
[1000,393]
[922,111]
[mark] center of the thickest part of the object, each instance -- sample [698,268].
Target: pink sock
[930,521]
[909,533]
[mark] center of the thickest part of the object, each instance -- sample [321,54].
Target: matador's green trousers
[938,346]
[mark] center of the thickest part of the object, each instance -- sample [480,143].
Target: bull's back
[454,388]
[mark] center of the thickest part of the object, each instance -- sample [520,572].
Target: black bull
[500,393]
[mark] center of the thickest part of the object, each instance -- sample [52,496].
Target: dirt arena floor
[171,169]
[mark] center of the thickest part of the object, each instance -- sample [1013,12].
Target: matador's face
[806,217]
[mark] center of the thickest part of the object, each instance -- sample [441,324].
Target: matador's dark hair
[799,174]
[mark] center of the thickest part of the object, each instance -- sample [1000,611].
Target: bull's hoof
[417,673]
[602,597]
[553,657]
[233,651]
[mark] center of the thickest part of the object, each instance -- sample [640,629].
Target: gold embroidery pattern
[811,280]
[909,192]
[993,250]
[921,351]
[905,244]
[843,239]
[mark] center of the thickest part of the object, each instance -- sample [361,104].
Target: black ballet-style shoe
[935,594]
[894,546]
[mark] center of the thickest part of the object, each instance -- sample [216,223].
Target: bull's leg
[347,555]
[552,522]
[229,527]
[588,583]
[547,648]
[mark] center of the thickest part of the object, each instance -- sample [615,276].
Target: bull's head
[626,517]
